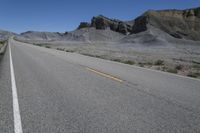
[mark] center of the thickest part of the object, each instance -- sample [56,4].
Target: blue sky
[65,15]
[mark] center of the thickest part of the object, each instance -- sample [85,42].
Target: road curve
[67,92]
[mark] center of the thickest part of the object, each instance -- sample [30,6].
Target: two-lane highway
[61,92]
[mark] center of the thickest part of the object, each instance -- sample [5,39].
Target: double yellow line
[105,75]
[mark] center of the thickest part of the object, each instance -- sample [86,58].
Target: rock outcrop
[102,23]
[182,24]
[178,23]
[84,25]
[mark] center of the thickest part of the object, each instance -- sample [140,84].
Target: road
[60,92]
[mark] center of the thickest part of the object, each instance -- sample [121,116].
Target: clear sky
[65,15]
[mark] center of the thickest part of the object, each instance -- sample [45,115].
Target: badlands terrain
[48,85]
[166,40]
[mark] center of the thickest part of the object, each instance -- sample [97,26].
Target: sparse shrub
[61,49]
[163,68]
[86,54]
[141,64]
[69,50]
[149,63]
[159,68]
[179,67]
[194,74]
[129,62]
[159,62]
[196,66]
[2,42]
[47,47]
[145,63]
[100,56]
[38,45]
[117,60]
[172,70]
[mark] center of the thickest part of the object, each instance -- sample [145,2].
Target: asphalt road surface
[60,92]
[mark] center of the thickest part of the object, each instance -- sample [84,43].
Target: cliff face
[100,22]
[182,24]
[178,23]
[83,25]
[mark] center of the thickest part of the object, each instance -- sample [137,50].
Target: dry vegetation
[157,60]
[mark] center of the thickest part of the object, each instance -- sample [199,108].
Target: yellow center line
[105,75]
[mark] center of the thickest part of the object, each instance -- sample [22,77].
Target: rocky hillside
[103,23]
[34,35]
[182,24]
[92,34]
[178,23]
[156,24]
[81,34]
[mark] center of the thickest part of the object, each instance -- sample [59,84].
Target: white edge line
[16,111]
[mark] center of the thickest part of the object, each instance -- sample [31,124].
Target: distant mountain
[35,35]
[86,34]
[6,34]
[153,25]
